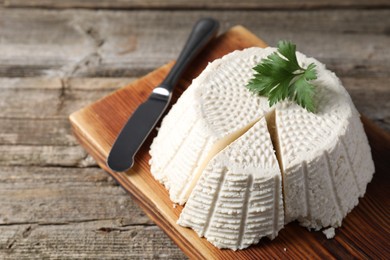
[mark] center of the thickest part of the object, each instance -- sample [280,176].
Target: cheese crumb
[329,233]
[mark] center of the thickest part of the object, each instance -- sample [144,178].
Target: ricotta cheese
[329,233]
[238,198]
[325,156]
[214,149]
[215,110]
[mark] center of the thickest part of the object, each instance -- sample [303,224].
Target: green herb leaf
[280,77]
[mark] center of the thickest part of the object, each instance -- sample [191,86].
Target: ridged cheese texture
[212,109]
[238,199]
[324,158]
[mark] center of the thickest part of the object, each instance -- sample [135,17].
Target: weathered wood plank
[119,43]
[30,103]
[203,4]
[33,131]
[90,240]
[49,83]
[66,156]
[44,98]
[46,103]
[55,83]
[69,212]
[66,195]
[56,195]
[31,123]
[371,97]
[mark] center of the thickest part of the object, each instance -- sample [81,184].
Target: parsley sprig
[280,77]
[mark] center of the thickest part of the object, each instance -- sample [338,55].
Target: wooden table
[58,56]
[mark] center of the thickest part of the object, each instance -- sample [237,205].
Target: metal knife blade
[145,117]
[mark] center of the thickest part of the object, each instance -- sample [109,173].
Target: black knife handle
[204,30]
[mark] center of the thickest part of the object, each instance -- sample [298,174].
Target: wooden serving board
[365,231]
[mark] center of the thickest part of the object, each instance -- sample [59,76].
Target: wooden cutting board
[365,231]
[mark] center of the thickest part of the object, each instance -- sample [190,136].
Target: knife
[145,117]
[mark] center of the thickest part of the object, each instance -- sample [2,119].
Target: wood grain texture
[85,194]
[203,4]
[86,240]
[69,43]
[57,213]
[363,232]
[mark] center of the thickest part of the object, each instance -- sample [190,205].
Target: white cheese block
[211,113]
[238,199]
[324,157]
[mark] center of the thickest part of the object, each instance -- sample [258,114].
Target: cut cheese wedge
[211,113]
[238,199]
[324,158]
